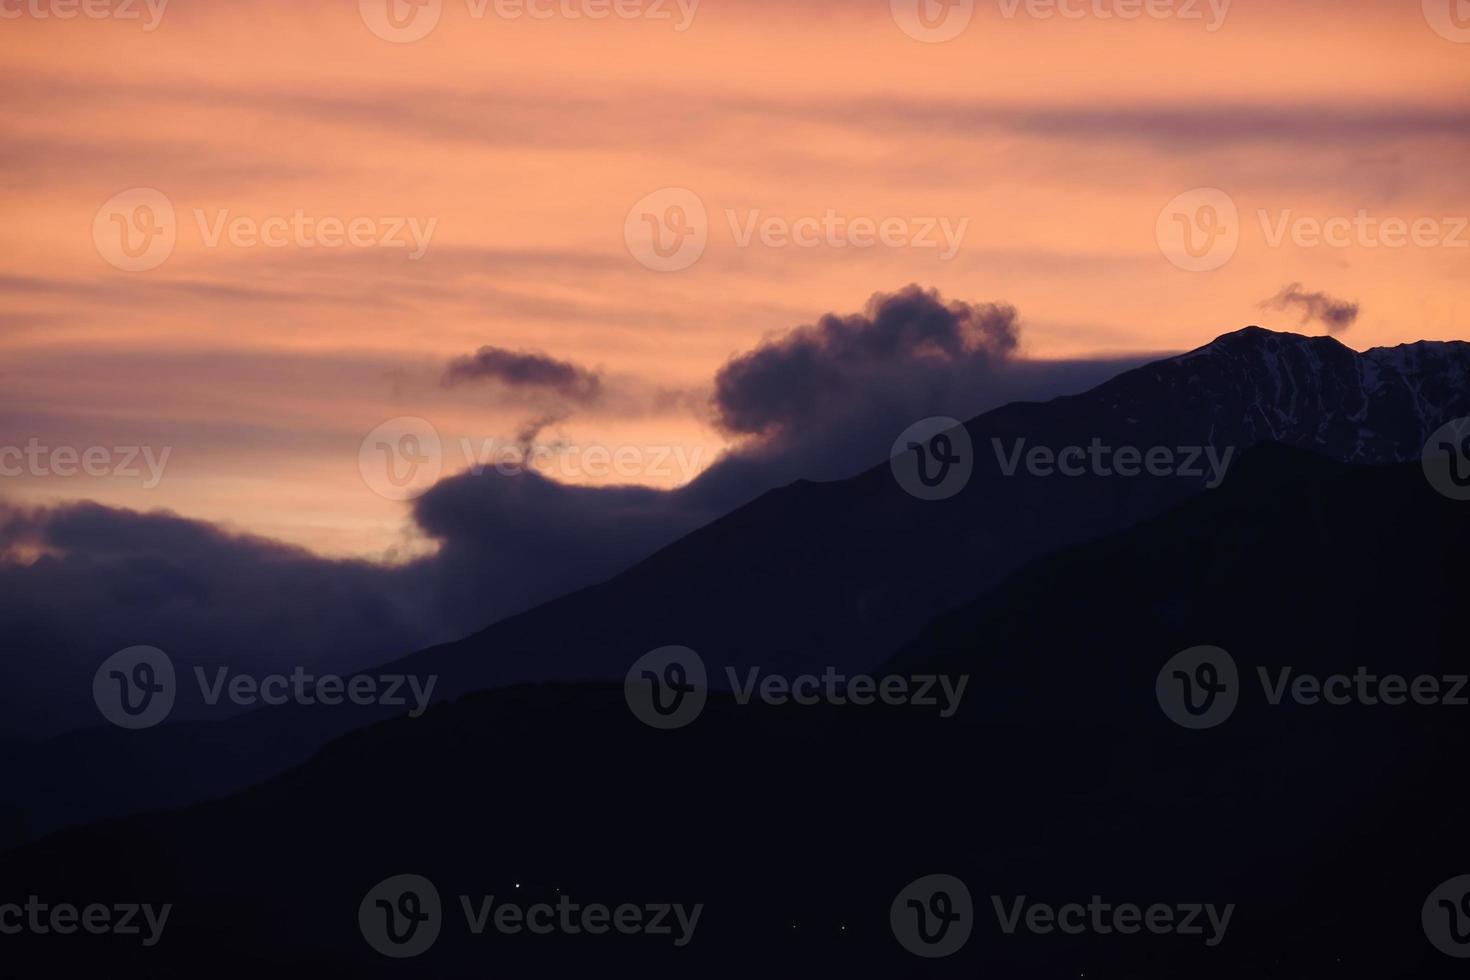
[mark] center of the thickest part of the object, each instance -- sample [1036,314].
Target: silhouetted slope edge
[1062,779]
[840,574]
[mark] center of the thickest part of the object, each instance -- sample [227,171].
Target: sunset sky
[522,150]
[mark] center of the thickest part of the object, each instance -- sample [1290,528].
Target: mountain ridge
[838,573]
[1048,783]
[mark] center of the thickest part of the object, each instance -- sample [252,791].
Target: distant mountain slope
[1061,779]
[840,573]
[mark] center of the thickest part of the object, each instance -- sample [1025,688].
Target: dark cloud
[826,371]
[79,582]
[524,370]
[509,541]
[821,402]
[1334,314]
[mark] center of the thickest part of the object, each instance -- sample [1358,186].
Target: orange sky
[518,147]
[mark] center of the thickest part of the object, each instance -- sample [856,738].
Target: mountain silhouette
[841,573]
[795,826]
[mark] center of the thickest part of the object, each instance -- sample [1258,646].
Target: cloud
[820,402]
[81,581]
[827,370]
[1334,314]
[524,370]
